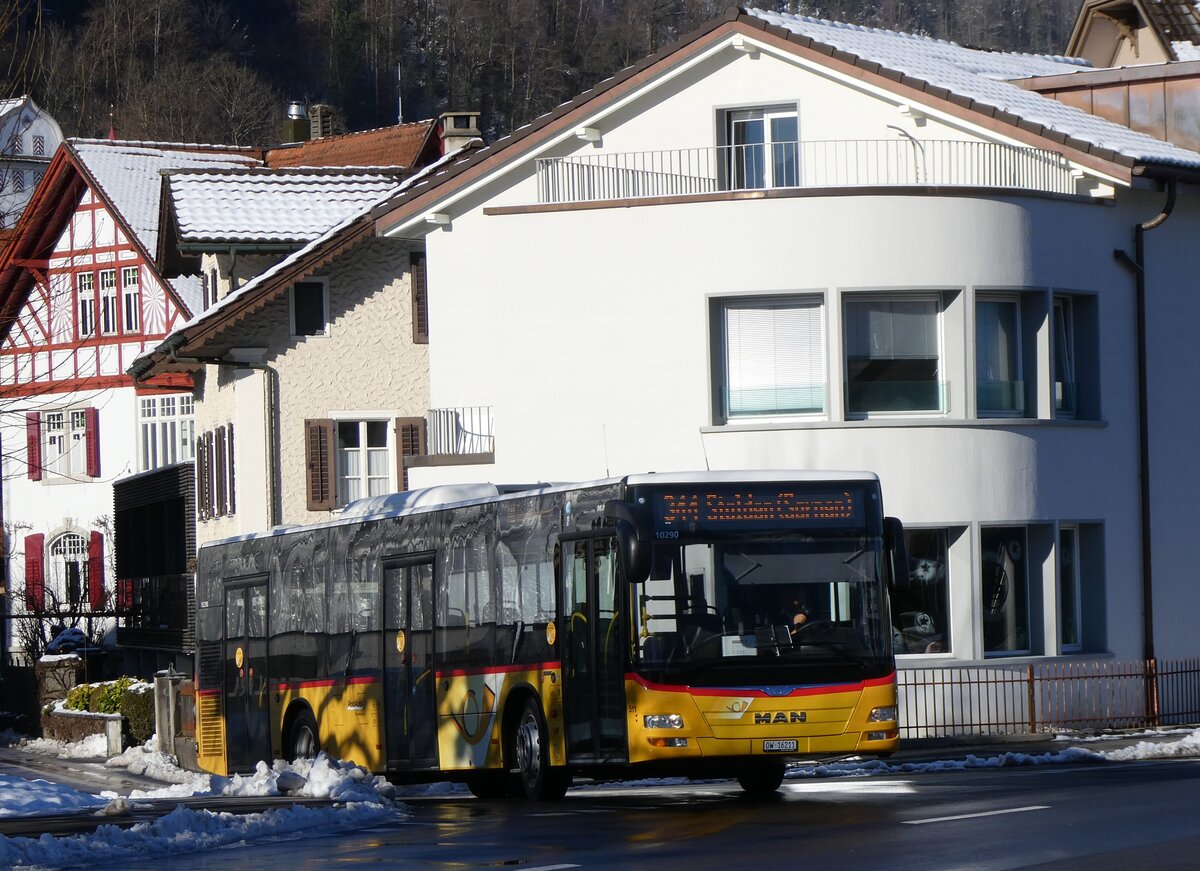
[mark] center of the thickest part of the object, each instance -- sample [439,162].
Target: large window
[167,430]
[773,357]
[67,574]
[893,354]
[66,442]
[999,388]
[764,148]
[1065,401]
[921,610]
[362,459]
[1004,591]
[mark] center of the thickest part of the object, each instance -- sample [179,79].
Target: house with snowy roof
[785,242]
[28,139]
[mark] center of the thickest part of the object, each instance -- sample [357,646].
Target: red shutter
[96,571]
[320,472]
[92,437]
[410,442]
[125,594]
[35,584]
[33,445]
[420,298]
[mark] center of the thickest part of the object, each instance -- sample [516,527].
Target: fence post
[1032,699]
[1152,693]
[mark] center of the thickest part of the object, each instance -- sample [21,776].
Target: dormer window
[764,148]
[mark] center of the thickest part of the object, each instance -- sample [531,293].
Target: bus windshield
[785,611]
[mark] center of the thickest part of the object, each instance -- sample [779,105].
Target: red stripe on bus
[325,682]
[498,669]
[761,693]
[208,692]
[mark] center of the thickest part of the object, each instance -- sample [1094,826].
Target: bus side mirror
[896,554]
[633,539]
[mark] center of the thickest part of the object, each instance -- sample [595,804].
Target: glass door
[410,711]
[247,717]
[593,652]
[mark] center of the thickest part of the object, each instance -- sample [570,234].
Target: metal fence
[1047,697]
[832,163]
[463,430]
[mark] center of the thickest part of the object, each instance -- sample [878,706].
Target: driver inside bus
[800,614]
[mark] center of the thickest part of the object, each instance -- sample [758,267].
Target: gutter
[1137,265]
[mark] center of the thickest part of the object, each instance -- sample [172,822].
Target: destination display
[761,507]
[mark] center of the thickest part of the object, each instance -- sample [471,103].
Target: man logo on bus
[767,719]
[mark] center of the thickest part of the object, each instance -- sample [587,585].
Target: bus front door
[593,659]
[410,709]
[247,716]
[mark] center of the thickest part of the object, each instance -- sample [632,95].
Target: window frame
[1014,300]
[1067,321]
[110,315]
[941,385]
[293,309]
[1076,609]
[85,321]
[131,299]
[944,636]
[766,114]
[64,438]
[719,310]
[364,477]
[155,430]
[1023,603]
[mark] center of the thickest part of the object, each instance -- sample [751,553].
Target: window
[764,148]
[772,357]
[1070,611]
[215,473]
[892,354]
[1004,594]
[132,298]
[15,145]
[18,177]
[85,284]
[309,316]
[67,574]
[69,442]
[921,610]
[108,301]
[999,388]
[1065,401]
[166,429]
[362,459]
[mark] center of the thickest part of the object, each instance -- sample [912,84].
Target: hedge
[132,699]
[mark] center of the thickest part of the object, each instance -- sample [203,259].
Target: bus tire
[761,779]
[303,739]
[529,750]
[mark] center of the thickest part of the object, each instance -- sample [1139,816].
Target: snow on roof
[983,77]
[7,106]
[190,290]
[128,174]
[270,205]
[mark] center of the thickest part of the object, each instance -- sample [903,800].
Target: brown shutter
[232,480]
[96,571]
[33,445]
[319,464]
[420,298]
[35,585]
[410,442]
[204,504]
[220,503]
[91,437]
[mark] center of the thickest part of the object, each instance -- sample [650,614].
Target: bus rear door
[247,716]
[410,709]
[593,660]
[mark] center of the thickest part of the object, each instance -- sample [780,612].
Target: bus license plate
[788,746]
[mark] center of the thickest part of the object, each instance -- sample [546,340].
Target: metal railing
[834,163]
[457,431]
[1047,697]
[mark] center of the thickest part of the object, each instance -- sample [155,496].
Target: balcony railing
[459,431]
[840,163]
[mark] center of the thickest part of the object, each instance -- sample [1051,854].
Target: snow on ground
[362,799]
[91,747]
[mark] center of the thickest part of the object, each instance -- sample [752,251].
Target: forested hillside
[223,70]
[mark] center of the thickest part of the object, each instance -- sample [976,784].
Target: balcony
[457,436]
[703,172]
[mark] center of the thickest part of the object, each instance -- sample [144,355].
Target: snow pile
[91,747]
[862,768]
[322,777]
[188,831]
[38,797]
[1187,746]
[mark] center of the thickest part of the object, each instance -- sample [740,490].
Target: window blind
[774,359]
[891,329]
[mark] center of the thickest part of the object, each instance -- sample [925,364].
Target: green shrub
[138,710]
[108,699]
[79,698]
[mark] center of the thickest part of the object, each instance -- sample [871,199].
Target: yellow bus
[705,625]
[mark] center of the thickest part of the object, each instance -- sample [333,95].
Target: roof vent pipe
[295,125]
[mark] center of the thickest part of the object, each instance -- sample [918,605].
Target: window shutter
[33,445]
[125,594]
[203,496]
[229,466]
[220,503]
[319,458]
[91,432]
[410,442]
[96,571]
[420,298]
[35,585]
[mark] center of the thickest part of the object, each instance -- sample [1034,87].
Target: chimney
[322,123]
[456,129]
[295,126]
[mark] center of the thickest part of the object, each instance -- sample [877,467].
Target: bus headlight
[882,715]
[663,721]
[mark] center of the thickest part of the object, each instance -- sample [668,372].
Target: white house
[791,243]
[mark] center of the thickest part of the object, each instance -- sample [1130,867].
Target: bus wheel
[761,780]
[302,737]
[530,750]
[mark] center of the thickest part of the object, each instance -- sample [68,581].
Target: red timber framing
[79,296]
